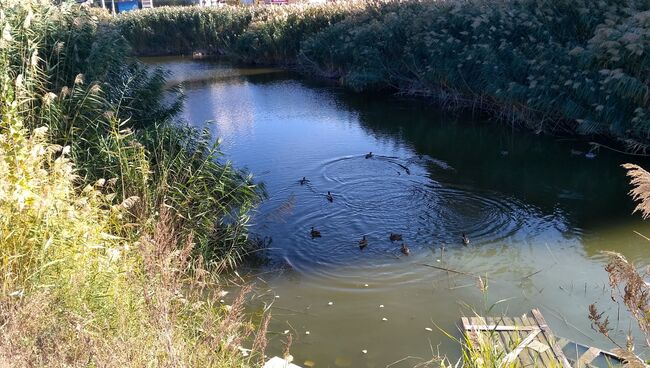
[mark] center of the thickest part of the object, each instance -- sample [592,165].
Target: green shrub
[108,247]
[570,66]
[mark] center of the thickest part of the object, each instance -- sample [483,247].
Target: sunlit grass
[113,218]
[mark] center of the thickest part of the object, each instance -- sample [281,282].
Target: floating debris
[381,305]
[309,363]
[244,352]
[504,153]
[590,155]
[364,351]
[330,303]
[384,319]
[286,332]
[428,329]
[365,285]
[307,332]
[277,297]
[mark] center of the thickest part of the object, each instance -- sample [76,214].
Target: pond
[537,214]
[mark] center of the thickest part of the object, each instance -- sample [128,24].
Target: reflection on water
[537,216]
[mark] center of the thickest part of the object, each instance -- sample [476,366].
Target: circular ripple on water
[377,196]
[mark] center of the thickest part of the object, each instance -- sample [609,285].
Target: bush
[109,252]
[570,66]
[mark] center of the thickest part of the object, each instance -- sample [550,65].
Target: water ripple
[380,195]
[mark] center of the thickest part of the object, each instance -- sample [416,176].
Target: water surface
[538,216]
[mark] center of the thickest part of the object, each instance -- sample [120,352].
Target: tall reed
[569,66]
[108,248]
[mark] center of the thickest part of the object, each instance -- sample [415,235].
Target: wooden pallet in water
[526,342]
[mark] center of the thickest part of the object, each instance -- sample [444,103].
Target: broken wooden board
[523,341]
[529,342]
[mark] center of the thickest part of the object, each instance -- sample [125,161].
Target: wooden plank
[497,337]
[472,336]
[588,357]
[495,327]
[562,342]
[559,355]
[515,342]
[528,355]
[516,353]
[466,323]
[547,358]
[506,337]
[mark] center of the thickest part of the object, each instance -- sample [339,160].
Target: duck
[465,240]
[315,233]
[369,155]
[330,197]
[395,237]
[303,181]
[363,242]
[405,249]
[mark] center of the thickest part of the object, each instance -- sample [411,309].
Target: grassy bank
[113,217]
[570,66]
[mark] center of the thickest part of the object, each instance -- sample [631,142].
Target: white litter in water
[365,285]
[381,305]
[306,332]
[330,303]
[364,351]
[428,329]
[286,332]
[384,319]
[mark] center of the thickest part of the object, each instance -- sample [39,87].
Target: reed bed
[114,218]
[577,67]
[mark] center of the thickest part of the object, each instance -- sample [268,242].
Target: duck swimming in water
[405,249]
[395,237]
[363,242]
[369,155]
[465,240]
[315,233]
[303,181]
[330,197]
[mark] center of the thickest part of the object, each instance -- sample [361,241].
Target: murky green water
[537,216]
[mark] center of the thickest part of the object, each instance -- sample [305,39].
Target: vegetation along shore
[113,217]
[118,221]
[578,67]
